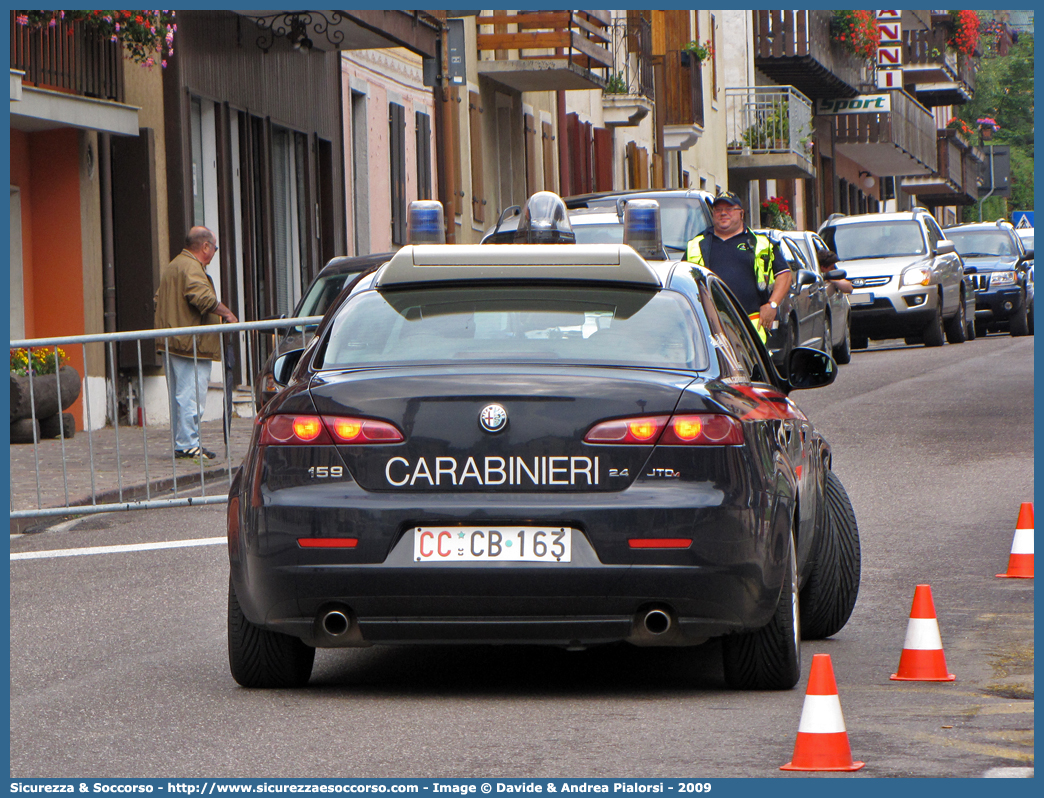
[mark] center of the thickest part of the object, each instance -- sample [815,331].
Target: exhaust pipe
[656,622]
[336,623]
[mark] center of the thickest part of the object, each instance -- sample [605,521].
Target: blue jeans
[187,380]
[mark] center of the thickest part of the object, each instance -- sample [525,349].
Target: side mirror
[806,277]
[944,247]
[810,368]
[1029,254]
[836,274]
[970,269]
[284,366]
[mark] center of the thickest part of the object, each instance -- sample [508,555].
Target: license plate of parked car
[861,299]
[508,544]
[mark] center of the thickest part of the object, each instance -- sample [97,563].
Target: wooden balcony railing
[892,139]
[955,180]
[683,103]
[581,36]
[926,52]
[68,57]
[795,48]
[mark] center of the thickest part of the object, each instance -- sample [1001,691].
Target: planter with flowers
[37,406]
[960,130]
[987,127]
[697,52]
[775,214]
[147,36]
[856,31]
[964,32]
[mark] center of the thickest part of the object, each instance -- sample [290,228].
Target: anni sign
[890,49]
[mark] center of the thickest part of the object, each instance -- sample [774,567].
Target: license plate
[861,299]
[504,544]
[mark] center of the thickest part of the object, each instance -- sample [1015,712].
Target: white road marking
[170,544]
[1008,773]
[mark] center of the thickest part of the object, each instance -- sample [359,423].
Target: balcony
[629,94]
[682,101]
[956,180]
[545,50]
[68,76]
[795,48]
[769,131]
[898,142]
[939,76]
[68,58]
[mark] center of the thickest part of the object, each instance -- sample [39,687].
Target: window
[423,128]
[360,176]
[875,239]
[397,171]
[738,346]
[289,215]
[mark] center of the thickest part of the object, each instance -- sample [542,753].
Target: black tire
[830,592]
[769,658]
[980,329]
[859,341]
[1029,319]
[1018,324]
[260,658]
[843,351]
[957,326]
[933,331]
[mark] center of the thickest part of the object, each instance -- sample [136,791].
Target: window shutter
[423,129]
[548,143]
[397,157]
[478,194]
[529,132]
[603,158]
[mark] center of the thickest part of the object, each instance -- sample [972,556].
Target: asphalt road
[119,668]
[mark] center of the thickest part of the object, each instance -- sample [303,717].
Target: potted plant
[775,214]
[964,32]
[615,85]
[987,127]
[856,31]
[48,394]
[698,51]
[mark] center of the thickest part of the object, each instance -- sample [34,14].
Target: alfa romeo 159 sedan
[563,445]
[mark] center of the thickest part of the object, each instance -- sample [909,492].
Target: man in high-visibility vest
[749,263]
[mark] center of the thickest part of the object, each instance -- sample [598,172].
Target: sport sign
[862,104]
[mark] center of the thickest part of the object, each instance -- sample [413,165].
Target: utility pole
[991,185]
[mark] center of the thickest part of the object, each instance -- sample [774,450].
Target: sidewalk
[134,477]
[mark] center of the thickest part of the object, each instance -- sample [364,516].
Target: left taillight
[690,429]
[291,430]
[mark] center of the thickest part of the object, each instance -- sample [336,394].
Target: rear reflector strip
[660,543]
[328,543]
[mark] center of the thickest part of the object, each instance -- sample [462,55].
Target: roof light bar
[426,223]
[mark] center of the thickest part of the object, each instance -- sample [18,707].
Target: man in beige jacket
[186,298]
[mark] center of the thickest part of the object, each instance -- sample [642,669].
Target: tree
[1004,92]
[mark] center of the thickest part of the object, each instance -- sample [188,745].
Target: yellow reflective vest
[764,258]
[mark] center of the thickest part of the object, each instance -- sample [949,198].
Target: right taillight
[690,429]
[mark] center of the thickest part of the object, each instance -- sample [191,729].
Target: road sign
[1022,219]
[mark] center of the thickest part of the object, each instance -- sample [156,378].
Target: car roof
[349,264]
[453,263]
[998,225]
[605,197]
[900,216]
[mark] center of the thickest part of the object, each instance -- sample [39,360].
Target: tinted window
[875,239]
[738,347]
[598,233]
[321,293]
[581,325]
[972,243]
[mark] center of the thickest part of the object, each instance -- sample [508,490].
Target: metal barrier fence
[116,470]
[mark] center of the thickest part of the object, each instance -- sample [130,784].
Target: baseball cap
[731,197]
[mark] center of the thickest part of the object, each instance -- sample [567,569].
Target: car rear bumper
[727,580]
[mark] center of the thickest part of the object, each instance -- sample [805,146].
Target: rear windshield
[321,293]
[875,240]
[681,219]
[583,325]
[972,243]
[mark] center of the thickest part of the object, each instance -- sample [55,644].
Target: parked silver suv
[909,281]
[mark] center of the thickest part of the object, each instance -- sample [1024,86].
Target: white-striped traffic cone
[1020,562]
[822,742]
[922,659]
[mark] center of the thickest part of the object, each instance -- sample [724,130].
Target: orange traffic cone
[1020,563]
[922,659]
[822,742]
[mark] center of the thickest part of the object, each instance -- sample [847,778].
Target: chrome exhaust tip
[336,623]
[657,622]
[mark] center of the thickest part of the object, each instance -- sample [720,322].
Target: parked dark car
[802,314]
[1001,268]
[537,453]
[839,311]
[321,293]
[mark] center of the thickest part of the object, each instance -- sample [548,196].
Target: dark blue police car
[552,444]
